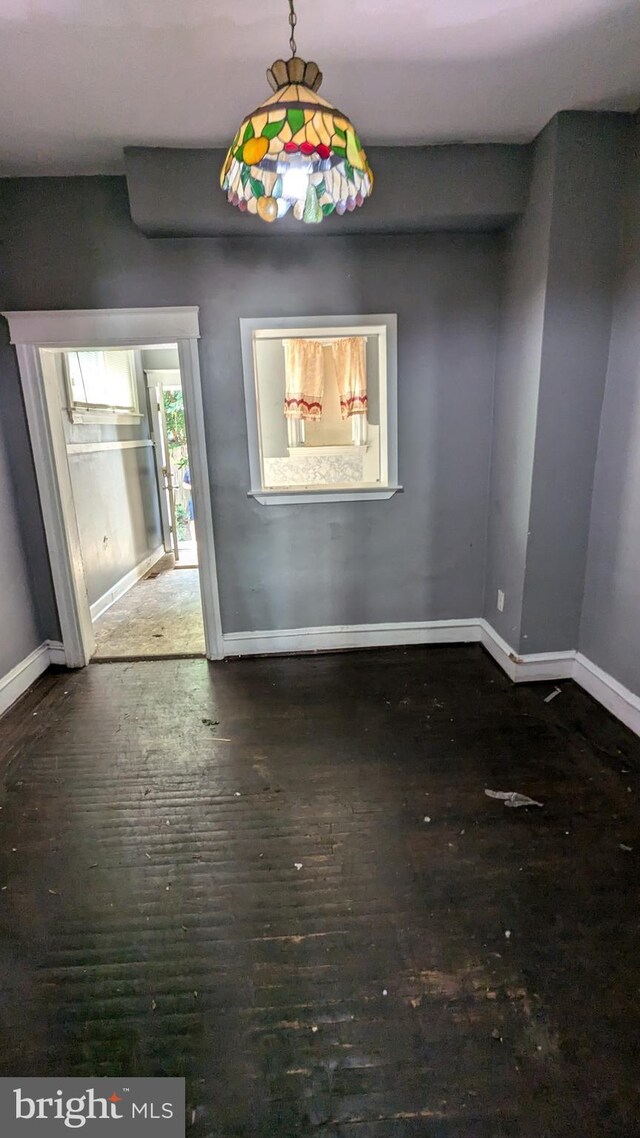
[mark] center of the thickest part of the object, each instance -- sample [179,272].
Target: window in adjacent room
[321,407]
[101,386]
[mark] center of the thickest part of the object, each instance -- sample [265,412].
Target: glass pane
[325,451]
[102,379]
[119,379]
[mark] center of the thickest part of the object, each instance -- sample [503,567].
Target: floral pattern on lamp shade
[296,152]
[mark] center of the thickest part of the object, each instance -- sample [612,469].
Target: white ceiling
[80,79]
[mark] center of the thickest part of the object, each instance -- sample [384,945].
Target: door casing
[38,337]
[154,395]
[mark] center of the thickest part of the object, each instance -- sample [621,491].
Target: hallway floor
[283,880]
[159,616]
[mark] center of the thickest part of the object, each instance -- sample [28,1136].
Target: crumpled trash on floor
[512,798]
[552,695]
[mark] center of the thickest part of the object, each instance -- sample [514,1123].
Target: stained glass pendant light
[296,152]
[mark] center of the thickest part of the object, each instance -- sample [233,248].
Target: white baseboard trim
[570,665]
[329,638]
[537,666]
[125,583]
[526,669]
[19,679]
[57,654]
[620,701]
[617,699]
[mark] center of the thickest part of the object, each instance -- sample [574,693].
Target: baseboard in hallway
[125,583]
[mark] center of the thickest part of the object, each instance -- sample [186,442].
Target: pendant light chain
[293,20]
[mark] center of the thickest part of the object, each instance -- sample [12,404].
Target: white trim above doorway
[33,333]
[104,327]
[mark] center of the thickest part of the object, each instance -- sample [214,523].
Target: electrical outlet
[500,605]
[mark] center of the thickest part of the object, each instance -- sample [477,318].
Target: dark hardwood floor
[283,880]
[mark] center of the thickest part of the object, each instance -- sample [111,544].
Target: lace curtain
[304,377]
[350,358]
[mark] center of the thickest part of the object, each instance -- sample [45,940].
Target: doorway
[60,399]
[165,400]
[156,611]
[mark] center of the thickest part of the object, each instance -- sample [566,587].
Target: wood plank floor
[283,880]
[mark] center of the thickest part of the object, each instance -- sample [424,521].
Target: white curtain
[350,358]
[304,379]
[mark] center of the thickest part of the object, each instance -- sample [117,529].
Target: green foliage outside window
[182,522]
[174,413]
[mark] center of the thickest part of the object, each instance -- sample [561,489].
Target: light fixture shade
[296,152]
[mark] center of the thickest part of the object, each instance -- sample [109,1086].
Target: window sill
[304,451]
[90,416]
[294,497]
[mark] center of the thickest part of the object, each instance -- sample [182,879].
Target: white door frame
[155,428]
[34,332]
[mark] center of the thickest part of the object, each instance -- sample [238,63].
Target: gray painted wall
[19,620]
[552,361]
[516,395]
[71,243]
[28,612]
[420,555]
[610,628]
[583,247]
[116,502]
[176,193]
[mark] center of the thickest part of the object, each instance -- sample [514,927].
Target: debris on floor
[627,849]
[512,798]
[378,899]
[211,722]
[552,695]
